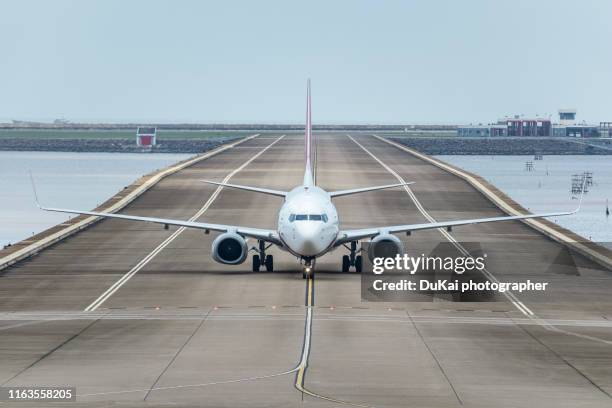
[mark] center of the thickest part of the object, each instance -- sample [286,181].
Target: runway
[136,314]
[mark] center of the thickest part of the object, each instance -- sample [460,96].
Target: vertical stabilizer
[308,177]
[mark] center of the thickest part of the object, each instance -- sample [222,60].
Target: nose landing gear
[262,258]
[353,259]
[308,269]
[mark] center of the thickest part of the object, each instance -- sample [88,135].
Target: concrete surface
[185,331]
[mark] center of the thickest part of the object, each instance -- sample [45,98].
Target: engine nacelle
[385,246]
[229,248]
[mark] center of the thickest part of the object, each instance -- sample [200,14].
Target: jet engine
[385,246]
[229,248]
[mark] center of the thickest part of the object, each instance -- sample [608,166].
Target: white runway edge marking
[74,228]
[511,296]
[110,291]
[505,207]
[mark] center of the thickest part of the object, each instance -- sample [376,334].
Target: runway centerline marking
[300,375]
[110,291]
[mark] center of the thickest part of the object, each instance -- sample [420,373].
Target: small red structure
[146,136]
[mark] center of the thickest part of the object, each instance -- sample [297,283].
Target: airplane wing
[257,233]
[357,234]
[341,193]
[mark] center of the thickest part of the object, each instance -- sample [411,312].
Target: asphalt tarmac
[136,315]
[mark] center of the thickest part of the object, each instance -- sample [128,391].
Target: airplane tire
[269,263]
[358,263]
[256,263]
[346,263]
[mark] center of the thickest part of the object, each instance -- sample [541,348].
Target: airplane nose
[308,230]
[310,237]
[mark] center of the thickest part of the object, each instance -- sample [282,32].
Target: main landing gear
[353,259]
[262,259]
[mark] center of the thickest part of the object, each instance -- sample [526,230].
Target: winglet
[34,189]
[582,190]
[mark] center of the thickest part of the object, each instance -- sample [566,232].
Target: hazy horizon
[395,62]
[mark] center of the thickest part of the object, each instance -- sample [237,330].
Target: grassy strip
[422,133]
[112,134]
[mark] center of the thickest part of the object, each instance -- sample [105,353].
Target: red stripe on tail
[308,135]
[308,173]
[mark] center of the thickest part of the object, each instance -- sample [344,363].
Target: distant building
[567,116]
[474,131]
[568,127]
[559,130]
[482,130]
[146,136]
[528,127]
[517,126]
[499,130]
[605,129]
[584,131]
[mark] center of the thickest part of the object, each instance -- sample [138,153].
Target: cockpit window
[311,217]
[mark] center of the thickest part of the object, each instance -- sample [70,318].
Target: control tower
[567,116]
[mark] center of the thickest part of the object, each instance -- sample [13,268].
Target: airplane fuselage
[308,222]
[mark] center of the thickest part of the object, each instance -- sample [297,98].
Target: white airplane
[308,224]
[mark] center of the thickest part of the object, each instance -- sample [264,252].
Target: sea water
[548,187]
[64,180]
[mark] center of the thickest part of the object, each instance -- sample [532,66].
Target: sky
[410,62]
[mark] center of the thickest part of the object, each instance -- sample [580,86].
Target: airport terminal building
[538,127]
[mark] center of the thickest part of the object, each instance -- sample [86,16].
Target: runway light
[332,307]
[273,306]
[157,307]
[389,309]
[216,308]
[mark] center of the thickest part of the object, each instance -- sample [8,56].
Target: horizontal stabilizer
[249,188]
[340,193]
